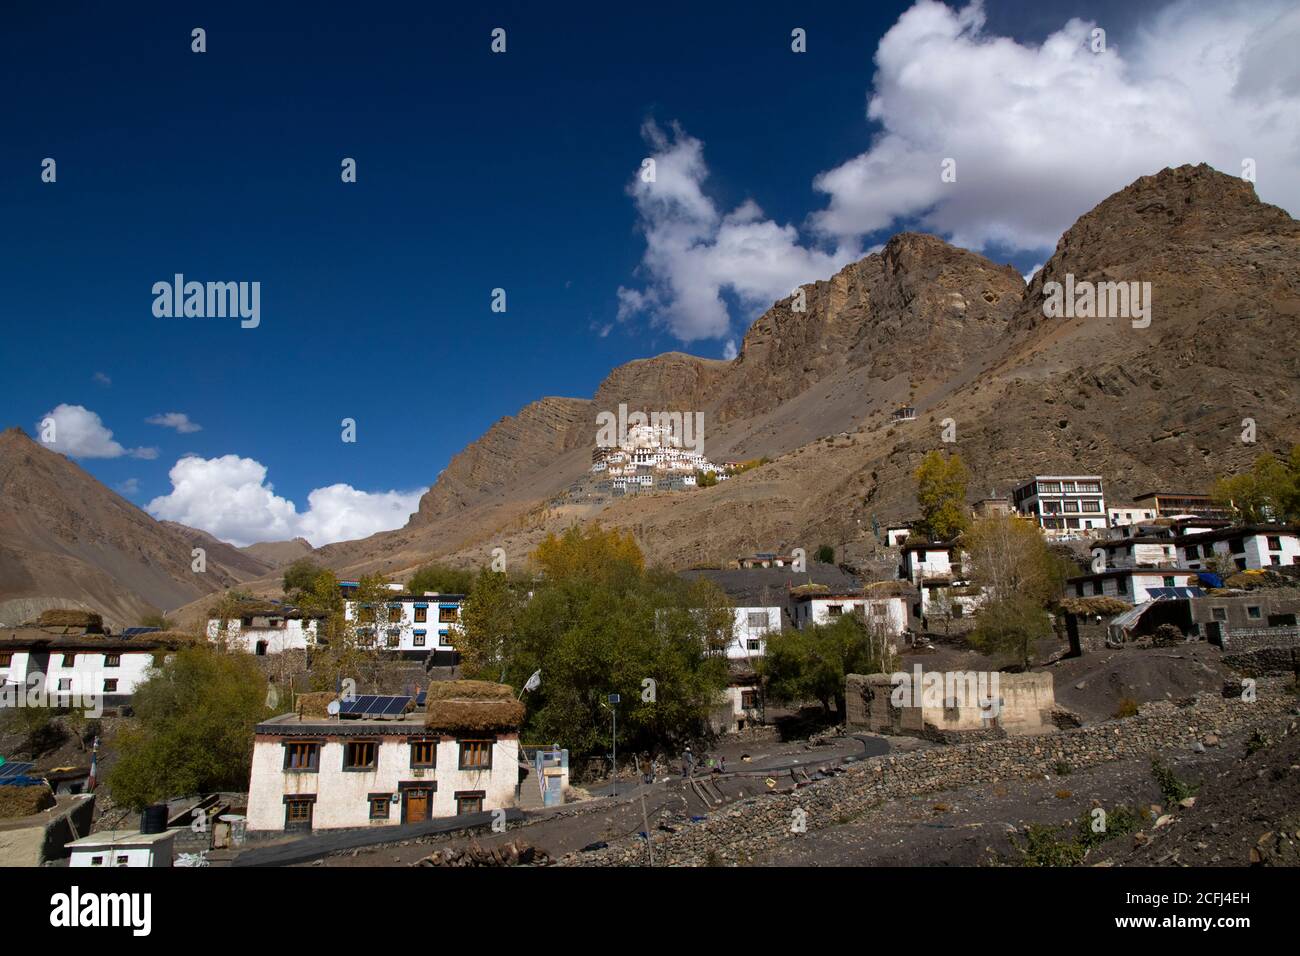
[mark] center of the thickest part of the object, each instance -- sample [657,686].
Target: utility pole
[614,700]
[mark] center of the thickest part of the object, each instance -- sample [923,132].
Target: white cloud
[695,253]
[729,351]
[177,420]
[102,379]
[78,432]
[1043,132]
[230,497]
[1040,132]
[130,486]
[1029,276]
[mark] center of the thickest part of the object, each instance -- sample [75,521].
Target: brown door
[415,807]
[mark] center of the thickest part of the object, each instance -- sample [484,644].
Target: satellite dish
[332,708]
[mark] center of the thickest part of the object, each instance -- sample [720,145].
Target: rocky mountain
[961,338]
[66,540]
[279,554]
[954,334]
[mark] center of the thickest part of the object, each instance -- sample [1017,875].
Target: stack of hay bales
[471,706]
[69,621]
[24,801]
[315,703]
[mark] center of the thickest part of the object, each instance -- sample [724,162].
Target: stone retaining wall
[733,834]
[1243,640]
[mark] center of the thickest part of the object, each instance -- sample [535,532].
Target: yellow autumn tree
[592,552]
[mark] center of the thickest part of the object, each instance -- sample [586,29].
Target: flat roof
[290,724]
[121,838]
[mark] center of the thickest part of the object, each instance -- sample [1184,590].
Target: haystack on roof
[809,588]
[882,589]
[315,703]
[70,617]
[473,706]
[24,801]
[1094,605]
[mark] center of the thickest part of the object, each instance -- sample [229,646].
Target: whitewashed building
[1134,585]
[130,848]
[820,608]
[1064,506]
[264,627]
[415,626]
[1251,547]
[331,773]
[751,629]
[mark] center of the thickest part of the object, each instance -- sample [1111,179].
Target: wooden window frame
[421,615]
[459,795]
[384,800]
[6,658]
[478,743]
[361,768]
[293,798]
[112,660]
[448,615]
[432,744]
[110,680]
[313,765]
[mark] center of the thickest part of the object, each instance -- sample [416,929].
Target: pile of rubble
[514,853]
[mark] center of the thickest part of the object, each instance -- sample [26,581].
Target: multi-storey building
[1063,505]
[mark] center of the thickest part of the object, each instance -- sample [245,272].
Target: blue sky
[479,171]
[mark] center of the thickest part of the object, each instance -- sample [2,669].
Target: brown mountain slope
[278,554]
[1154,407]
[66,538]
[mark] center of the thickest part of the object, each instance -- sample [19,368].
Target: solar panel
[14,770]
[374,705]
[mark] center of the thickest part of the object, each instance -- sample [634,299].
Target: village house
[460,756]
[129,848]
[940,704]
[68,655]
[1140,553]
[896,535]
[1170,504]
[994,506]
[1245,548]
[263,627]
[411,626]
[815,605]
[935,570]
[1128,515]
[1135,585]
[1064,506]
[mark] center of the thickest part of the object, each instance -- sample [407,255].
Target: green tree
[599,623]
[705,479]
[300,576]
[812,664]
[941,495]
[1270,491]
[441,579]
[1020,576]
[825,554]
[193,731]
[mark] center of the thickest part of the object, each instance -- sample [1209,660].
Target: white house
[1251,547]
[1063,505]
[130,848]
[751,628]
[75,664]
[1119,516]
[1134,585]
[808,607]
[417,626]
[264,627]
[329,773]
[1139,553]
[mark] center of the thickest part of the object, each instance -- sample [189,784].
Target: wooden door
[416,804]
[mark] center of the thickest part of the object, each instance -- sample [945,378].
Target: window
[394,614]
[1072,506]
[1096,587]
[302,756]
[1049,487]
[417,639]
[1170,582]
[366,636]
[834,610]
[1274,543]
[1067,487]
[447,615]
[424,754]
[748,699]
[444,639]
[421,615]
[110,685]
[96,861]
[379,804]
[469,801]
[1253,613]
[6,658]
[1092,507]
[122,860]
[112,660]
[758,620]
[70,660]
[1194,552]
[1219,613]
[1237,545]
[394,637]
[476,755]
[297,811]
[753,644]
[65,683]
[360,755]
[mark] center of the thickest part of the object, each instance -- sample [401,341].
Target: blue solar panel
[14,769]
[374,705]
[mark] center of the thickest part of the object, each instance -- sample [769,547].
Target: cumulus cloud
[1042,132]
[130,486]
[230,498]
[177,420]
[695,252]
[77,432]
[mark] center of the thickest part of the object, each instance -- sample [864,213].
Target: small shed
[123,848]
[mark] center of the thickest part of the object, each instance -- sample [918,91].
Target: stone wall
[1243,640]
[734,834]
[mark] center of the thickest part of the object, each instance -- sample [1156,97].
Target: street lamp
[614,700]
